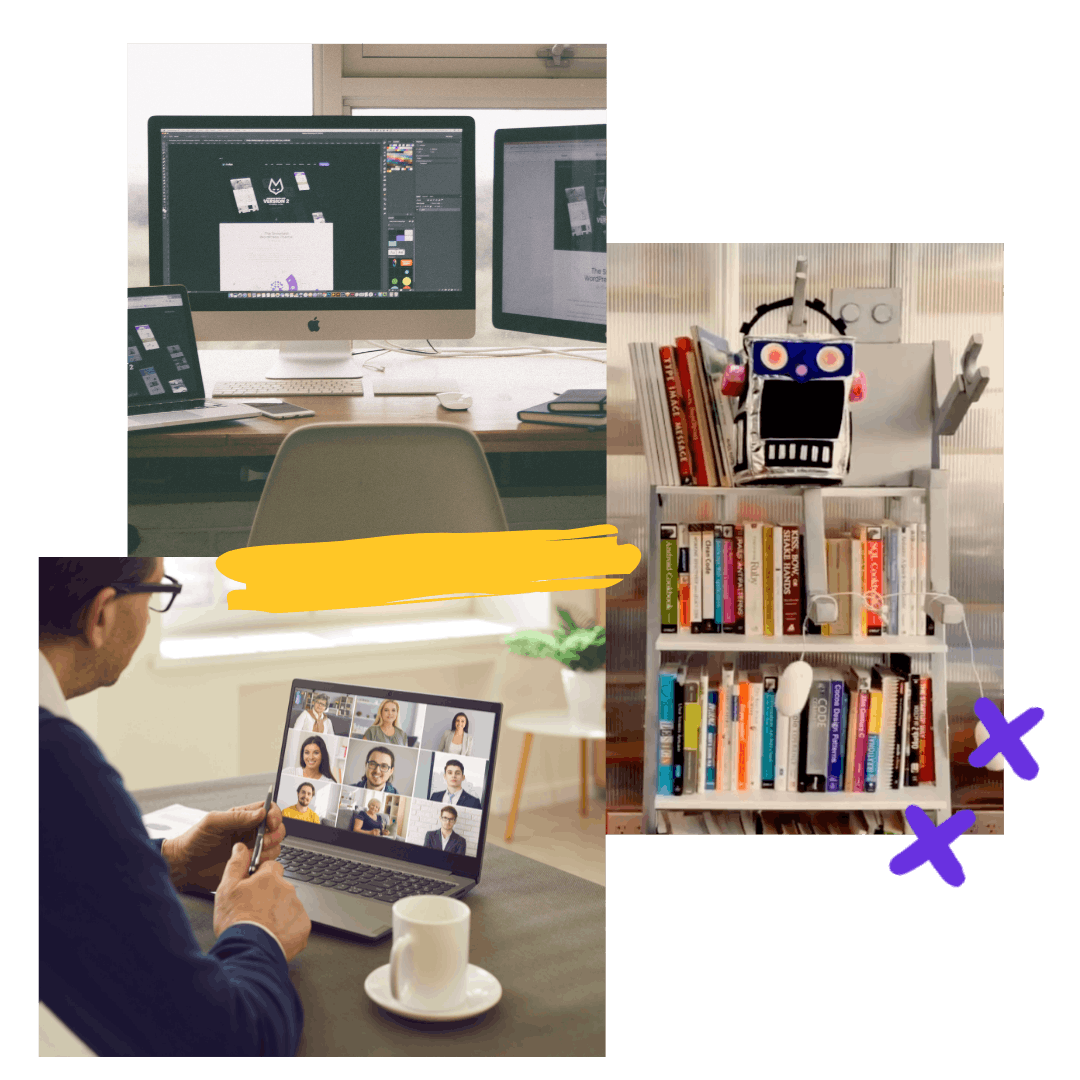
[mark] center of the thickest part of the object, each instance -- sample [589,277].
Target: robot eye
[830,358]
[774,356]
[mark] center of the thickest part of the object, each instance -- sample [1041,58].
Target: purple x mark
[933,844]
[1006,738]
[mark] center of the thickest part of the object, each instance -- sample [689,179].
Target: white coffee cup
[430,955]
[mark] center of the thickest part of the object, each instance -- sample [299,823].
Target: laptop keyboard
[375,882]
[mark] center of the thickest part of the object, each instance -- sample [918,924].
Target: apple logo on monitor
[313,325]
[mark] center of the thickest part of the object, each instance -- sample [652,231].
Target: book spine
[926,623]
[778,580]
[684,578]
[740,581]
[769,777]
[697,448]
[718,579]
[793,726]
[695,579]
[863,721]
[858,585]
[892,576]
[691,363]
[873,739]
[926,732]
[767,569]
[728,532]
[844,586]
[731,741]
[912,721]
[834,776]
[874,571]
[669,579]
[913,598]
[817,736]
[678,755]
[708,580]
[677,416]
[803,741]
[792,604]
[899,761]
[754,580]
[692,718]
[851,737]
[757,706]
[711,741]
[665,773]
[713,425]
[743,778]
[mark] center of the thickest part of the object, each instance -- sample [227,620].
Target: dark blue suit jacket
[465,800]
[119,964]
[454,846]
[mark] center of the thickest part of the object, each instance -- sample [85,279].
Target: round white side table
[561,726]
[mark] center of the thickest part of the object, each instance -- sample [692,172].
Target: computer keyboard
[375,882]
[290,388]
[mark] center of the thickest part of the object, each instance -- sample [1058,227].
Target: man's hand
[264,897]
[199,856]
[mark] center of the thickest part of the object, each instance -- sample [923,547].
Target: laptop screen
[163,364]
[400,774]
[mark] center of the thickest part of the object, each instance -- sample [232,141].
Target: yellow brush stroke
[422,567]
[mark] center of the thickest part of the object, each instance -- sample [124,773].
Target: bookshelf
[815,510]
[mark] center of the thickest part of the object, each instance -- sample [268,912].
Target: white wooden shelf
[927,796]
[811,643]
[836,491]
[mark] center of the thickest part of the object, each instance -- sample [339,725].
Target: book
[858,601]
[767,566]
[740,581]
[754,742]
[695,578]
[666,754]
[653,440]
[926,730]
[704,470]
[669,579]
[713,352]
[861,692]
[542,414]
[777,595]
[743,753]
[718,579]
[680,429]
[770,680]
[678,757]
[794,750]
[708,580]
[727,566]
[834,777]
[792,581]
[754,580]
[873,738]
[869,535]
[711,741]
[579,401]
[818,728]
[926,623]
[891,535]
[685,346]
[692,717]
[729,750]
[684,578]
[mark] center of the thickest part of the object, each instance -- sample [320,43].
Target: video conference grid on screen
[338,213]
[403,770]
[555,229]
[160,349]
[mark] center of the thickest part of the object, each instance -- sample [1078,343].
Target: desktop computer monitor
[549,272]
[315,230]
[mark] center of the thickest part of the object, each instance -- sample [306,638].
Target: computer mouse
[794,688]
[454,400]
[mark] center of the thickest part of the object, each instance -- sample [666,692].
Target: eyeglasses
[171,586]
[379,768]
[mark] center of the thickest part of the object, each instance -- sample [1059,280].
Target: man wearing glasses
[120,970]
[378,769]
[444,838]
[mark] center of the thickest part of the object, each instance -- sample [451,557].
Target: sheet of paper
[276,257]
[171,820]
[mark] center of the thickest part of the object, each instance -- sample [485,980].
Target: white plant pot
[585,697]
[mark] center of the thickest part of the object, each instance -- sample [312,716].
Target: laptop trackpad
[344,911]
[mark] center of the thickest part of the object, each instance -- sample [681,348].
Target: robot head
[793,419]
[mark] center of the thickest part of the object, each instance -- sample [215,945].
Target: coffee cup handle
[400,944]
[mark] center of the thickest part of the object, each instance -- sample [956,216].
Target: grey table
[540,931]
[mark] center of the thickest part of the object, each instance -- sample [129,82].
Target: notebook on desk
[371,817]
[165,387]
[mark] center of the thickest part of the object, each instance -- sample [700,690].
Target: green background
[921,123]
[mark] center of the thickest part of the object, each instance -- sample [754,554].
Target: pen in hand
[260,833]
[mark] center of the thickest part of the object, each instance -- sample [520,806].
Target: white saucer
[483,991]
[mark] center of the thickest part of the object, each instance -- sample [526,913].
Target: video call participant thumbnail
[444,838]
[457,740]
[378,771]
[302,810]
[385,729]
[454,793]
[371,821]
[314,717]
[314,761]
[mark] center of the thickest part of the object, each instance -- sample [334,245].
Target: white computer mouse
[794,688]
[454,400]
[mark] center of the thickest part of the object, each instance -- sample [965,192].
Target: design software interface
[265,213]
[160,349]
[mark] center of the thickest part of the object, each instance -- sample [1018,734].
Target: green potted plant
[581,652]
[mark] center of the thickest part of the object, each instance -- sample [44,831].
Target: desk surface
[500,387]
[540,931]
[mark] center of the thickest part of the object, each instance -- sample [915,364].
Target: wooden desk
[500,388]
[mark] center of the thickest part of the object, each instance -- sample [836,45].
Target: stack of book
[686,421]
[577,408]
[861,729]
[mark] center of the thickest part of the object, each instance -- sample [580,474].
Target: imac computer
[316,230]
[549,272]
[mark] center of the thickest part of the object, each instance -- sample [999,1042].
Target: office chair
[351,481]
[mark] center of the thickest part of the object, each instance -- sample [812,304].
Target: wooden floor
[558,837]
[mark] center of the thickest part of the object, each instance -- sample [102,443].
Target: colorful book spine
[873,586]
[669,579]
[816,767]
[757,707]
[695,578]
[692,719]
[778,580]
[740,582]
[925,624]
[913,731]
[892,575]
[728,566]
[835,774]
[767,567]
[718,579]
[792,603]
[863,721]
[926,730]
[711,741]
[743,778]
[693,417]
[873,739]
[755,579]
[677,416]
[768,728]
[690,367]
[684,578]
[858,601]
[666,773]
[899,762]
[794,726]
[678,757]
[729,773]
[708,580]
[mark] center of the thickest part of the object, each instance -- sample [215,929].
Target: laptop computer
[370,818]
[165,386]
